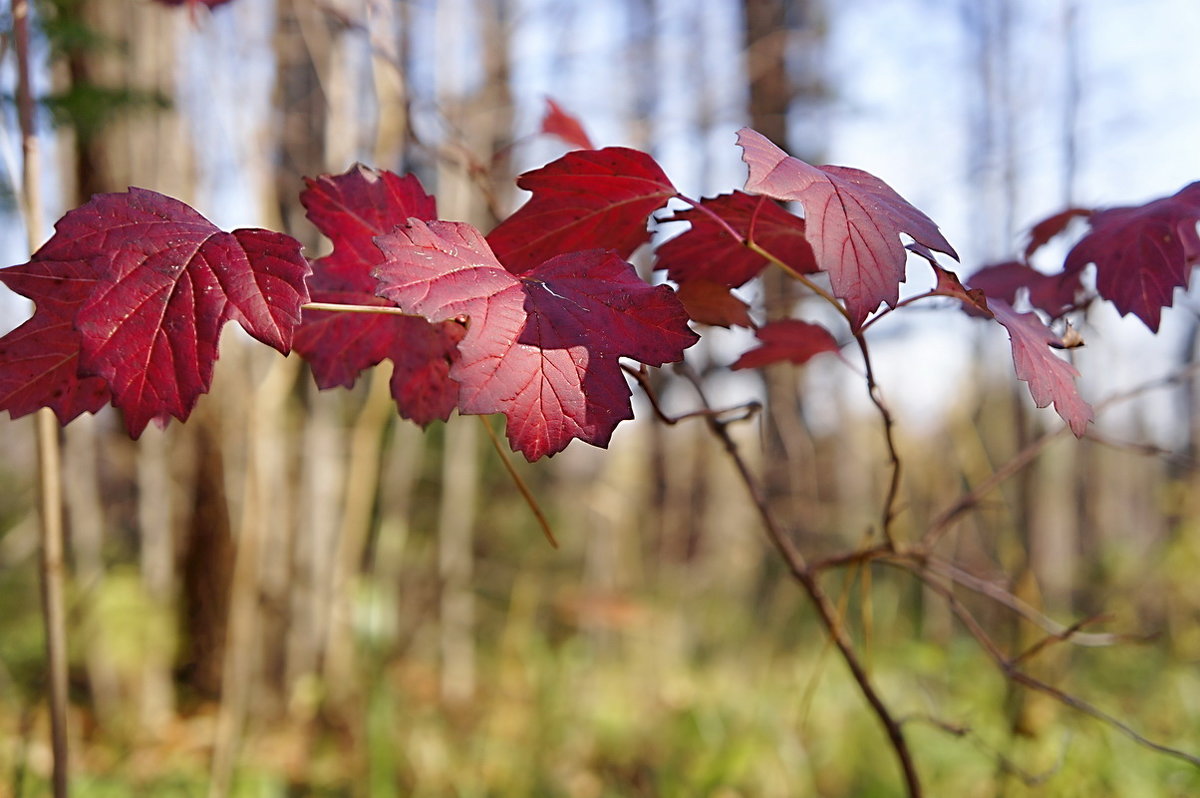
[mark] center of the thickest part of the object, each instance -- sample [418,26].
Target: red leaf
[974,300]
[163,282]
[558,122]
[542,349]
[1142,254]
[351,209]
[1053,293]
[854,221]
[1051,226]
[707,251]
[791,340]
[587,199]
[1050,378]
[707,302]
[39,361]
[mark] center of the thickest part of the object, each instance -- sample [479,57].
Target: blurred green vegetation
[680,684]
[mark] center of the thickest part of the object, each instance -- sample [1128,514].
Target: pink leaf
[557,122]
[588,199]
[707,251]
[543,349]
[788,340]
[853,222]
[1050,378]
[1142,254]
[353,208]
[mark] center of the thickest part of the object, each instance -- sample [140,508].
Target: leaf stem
[337,307]
[522,487]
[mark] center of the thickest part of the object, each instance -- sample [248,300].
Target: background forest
[297,593]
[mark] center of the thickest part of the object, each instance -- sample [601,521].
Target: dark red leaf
[1143,253]
[853,222]
[587,199]
[161,281]
[707,302]
[1051,226]
[542,349]
[974,300]
[351,209]
[1050,378]
[39,361]
[789,340]
[1053,293]
[707,251]
[557,122]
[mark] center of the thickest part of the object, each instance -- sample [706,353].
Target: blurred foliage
[677,686]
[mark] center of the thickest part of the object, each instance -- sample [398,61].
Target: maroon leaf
[1142,254]
[557,122]
[1051,226]
[39,360]
[788,340]
[150,285]
[707,302]
[588,199]
[1053,293]
[853,220]
[353,208]
[543,349]
[707,251]
[974,300]
[1050,378]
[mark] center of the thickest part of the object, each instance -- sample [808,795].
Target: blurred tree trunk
[776,32]
[131,138]
[477,109]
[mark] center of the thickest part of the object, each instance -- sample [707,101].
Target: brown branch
[885,415]
[1009,667]
[809,581]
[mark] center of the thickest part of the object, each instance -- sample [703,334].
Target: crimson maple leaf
[853,222]
[1142,254]
[789,340]
[557,122]
[149,283]
[587,199]
[542,348]
[39,360]
[707,250]
[351,209]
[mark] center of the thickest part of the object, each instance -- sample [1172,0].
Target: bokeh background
[297,593]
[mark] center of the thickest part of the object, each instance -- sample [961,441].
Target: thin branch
[340,308]
[826,610]
[889,437]
[1011,671]
[519,482]
[49,454]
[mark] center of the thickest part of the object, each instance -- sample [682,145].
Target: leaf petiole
[340,308]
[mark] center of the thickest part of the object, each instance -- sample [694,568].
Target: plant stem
[49,455]
[340,308]
[809,579]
